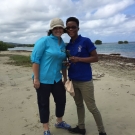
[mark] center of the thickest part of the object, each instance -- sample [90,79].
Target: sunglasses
[72,27]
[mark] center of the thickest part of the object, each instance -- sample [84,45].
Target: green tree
[120,42]
[30,45]
[125,42]
[98,42]
[10,46]
[3,46]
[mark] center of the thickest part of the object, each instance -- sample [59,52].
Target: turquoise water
[126,50]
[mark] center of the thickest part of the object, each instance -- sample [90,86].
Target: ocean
[126,50]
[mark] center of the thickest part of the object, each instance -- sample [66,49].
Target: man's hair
[74,19]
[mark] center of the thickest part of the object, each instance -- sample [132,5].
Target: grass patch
[20,60]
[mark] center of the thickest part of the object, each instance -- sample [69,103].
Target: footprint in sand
[12,83]
[29,96]
[125,86]
[51,120]
[27,89]
[1,83]
[132,94]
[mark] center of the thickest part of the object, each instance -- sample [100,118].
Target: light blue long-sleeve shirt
[49,54]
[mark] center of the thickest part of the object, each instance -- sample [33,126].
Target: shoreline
[102,57]
[112,55]
[114,58]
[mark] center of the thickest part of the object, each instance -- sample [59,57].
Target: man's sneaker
[102,134]
[63,125]
[77,130]
[47,132]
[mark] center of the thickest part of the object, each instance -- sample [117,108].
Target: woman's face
[57,31]
[72,29]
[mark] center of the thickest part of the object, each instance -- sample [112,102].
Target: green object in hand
[68,53]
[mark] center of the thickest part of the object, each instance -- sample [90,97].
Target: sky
[25,21]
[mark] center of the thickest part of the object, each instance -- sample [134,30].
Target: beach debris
[130,64]
[100,75]
[121,63]
[118,54]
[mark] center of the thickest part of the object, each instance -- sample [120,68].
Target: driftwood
[117,54]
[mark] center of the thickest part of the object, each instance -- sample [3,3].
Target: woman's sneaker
[63,125]
[102,134]
[47,132]
[77,130]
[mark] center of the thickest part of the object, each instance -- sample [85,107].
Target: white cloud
[112,9]
[24,21]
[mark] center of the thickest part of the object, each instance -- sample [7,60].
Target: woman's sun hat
[56,22]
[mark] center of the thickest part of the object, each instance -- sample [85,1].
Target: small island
[123,42]
[98,42]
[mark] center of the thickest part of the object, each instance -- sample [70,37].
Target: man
[83,52]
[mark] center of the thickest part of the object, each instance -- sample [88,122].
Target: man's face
[72,29]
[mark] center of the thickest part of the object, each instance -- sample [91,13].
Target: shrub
[3,46]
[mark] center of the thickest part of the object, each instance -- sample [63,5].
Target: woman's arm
[93,58]
[36,56]
[64,73]
[36,81]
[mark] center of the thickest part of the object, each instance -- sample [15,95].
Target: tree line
[4,45]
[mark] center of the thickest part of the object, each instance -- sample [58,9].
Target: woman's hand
[36,83]
[74,59]
[64,81]
[66,63]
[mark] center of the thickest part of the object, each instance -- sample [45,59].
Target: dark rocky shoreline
[116,66]
[114,58]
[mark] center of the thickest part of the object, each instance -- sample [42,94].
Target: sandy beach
[114,81]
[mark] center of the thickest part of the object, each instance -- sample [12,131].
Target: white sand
[114,93]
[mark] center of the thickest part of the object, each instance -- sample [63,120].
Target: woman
[83,53]
[47,58]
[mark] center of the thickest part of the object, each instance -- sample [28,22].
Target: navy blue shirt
[81,47]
